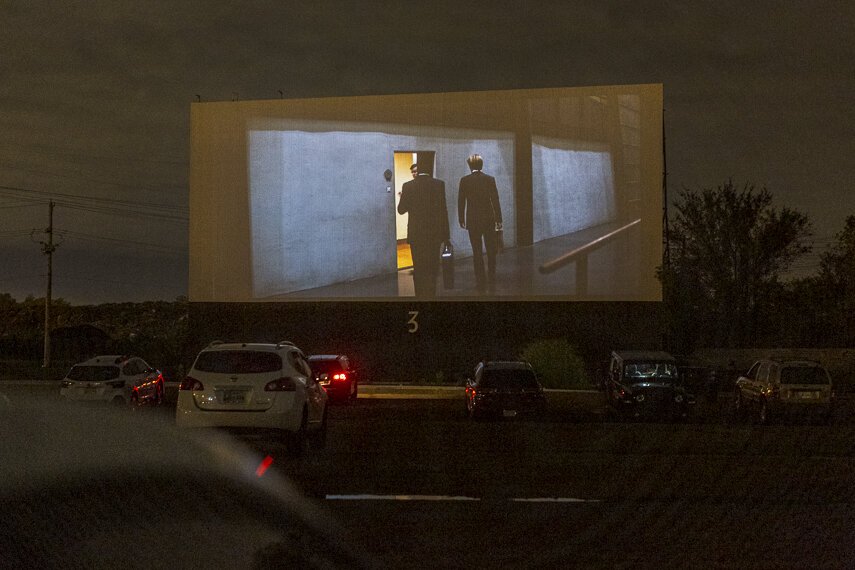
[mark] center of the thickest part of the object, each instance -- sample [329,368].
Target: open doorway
[405,161]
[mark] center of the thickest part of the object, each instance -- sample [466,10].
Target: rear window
[93,373]
[238,362]
[804,375]
[325,366]
[509,379]
[644,370]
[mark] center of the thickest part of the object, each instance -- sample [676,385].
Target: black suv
[646,384]
[504,389]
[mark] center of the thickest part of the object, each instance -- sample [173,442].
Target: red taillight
[341,377]
[190,383]
[281,385]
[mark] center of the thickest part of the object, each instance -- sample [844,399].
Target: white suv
[255,387]
[120,380]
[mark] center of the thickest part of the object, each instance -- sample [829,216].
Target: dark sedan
[337,375]
[504,389]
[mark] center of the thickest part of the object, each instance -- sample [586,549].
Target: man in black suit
[479,212]
[423,198]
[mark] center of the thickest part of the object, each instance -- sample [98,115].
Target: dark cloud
[94,96]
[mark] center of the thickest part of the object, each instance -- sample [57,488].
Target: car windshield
[803,375]
[93,373]
[238,362]
[509,379]
[325,366]
[651,370]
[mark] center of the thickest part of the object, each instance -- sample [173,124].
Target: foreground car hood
[105,487]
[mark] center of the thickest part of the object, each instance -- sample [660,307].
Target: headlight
[66,384]
[639,398]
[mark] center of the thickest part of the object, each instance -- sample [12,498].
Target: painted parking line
[453,498]
[411,396]
[398,498]
[555,500]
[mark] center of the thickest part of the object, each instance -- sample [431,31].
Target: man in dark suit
[423,198]
[479,213]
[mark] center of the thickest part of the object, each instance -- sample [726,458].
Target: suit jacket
[478,202]
[423,198]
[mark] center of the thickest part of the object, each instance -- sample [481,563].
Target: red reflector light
[265,463]
[190,383]
[281,385]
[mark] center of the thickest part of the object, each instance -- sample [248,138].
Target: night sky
[95,99]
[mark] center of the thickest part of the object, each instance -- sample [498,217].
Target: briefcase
[447,266]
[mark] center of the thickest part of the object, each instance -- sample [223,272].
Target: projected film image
[551,194]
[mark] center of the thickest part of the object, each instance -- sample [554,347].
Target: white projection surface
[328,220]
[295,200]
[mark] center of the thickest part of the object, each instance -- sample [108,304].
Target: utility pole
[666,238]
[48,248]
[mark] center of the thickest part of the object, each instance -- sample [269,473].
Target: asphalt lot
[421,486]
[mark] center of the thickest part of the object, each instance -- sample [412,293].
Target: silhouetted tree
[729,247]
[837,281]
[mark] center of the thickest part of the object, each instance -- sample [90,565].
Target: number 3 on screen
[412,324]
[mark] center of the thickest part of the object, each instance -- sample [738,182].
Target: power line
[102,205]
[15,233]
[128,243]
[121,212]
[161,188]
[66,153]
[54,195]
[22,204]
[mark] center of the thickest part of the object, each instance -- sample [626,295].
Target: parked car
[336,374]
[504,389]
[115,379]
[774,387]
[255,388]
[646,384]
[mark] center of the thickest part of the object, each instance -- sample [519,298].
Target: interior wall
[573,189]
[321,212]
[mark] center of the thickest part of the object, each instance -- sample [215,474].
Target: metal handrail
[572,255]
[579,256]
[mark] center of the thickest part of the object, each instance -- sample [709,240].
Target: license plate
[808,395]
[509,413]
[89,390]
[234,396]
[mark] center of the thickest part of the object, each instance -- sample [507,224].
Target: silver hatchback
[784,387]
[114,379]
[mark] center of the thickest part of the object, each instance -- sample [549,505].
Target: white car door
[315,394]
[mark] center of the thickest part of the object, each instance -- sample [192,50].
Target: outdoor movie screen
[354,198]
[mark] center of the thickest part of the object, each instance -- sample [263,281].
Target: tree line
[725,282]
[724,279]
